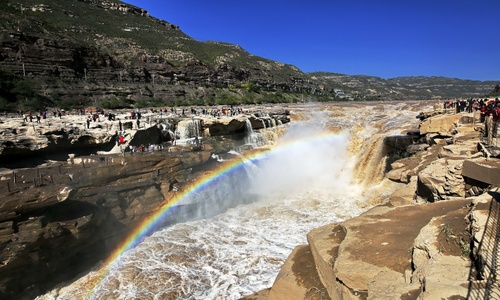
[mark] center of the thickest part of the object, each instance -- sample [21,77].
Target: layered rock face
[67,55]
[57,221]
[434,239]
[62,217]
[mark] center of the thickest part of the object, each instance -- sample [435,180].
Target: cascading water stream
[255,138]
[309,179]
[188,129]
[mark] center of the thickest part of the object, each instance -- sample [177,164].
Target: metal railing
[491,132]
[483,281]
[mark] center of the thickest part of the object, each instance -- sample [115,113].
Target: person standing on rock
[88,123]
[138,123]
[120,124]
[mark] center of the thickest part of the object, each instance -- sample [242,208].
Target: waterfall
[249,127]
[371,161]
[188,129]
[222,194]
[171,134]
[255,138]
[317,173]
[166,125]
[251,168]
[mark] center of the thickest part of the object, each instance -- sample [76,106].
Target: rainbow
[152,222]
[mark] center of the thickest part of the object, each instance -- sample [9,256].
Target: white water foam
[240,251]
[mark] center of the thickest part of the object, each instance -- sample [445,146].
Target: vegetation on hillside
[119,56]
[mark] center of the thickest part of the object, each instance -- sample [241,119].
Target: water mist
[305,182]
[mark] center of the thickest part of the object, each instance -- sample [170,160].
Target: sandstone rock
[484,246]
[412,149]
[482,169]
[442,124]
[370,257]
[324,243]
[30,200]
[428,114]
[406,194]
[389,285]
[435,183]
[102,198]
[298,278]
[457,151]
[400,142]
[439,265]
[395,175]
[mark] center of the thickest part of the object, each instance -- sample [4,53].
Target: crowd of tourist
[486,107]
[95,115]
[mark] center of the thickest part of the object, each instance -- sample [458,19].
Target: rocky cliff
[58,220]
[109,51]
[60,217]
[111,54]
[436,237]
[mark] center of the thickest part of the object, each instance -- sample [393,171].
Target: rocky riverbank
[436,237]
[61,212]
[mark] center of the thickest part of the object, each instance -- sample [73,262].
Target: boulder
[226,126]
[412,149]
[482,169]
[298,278]
[371,257]
[400,142]
[405,195]
[441,179]
[441,124]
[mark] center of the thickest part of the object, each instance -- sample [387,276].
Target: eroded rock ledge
[62,217]
[434,238]
[76,213]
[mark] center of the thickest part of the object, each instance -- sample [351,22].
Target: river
[328,166]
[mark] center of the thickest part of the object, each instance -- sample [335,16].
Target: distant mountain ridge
[409,87]
[108,53]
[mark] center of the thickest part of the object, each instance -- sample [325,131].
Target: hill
[74,53]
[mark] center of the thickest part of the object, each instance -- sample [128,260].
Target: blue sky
[384,38]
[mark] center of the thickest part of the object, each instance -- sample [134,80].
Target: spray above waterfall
[306,179]
[318,160]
